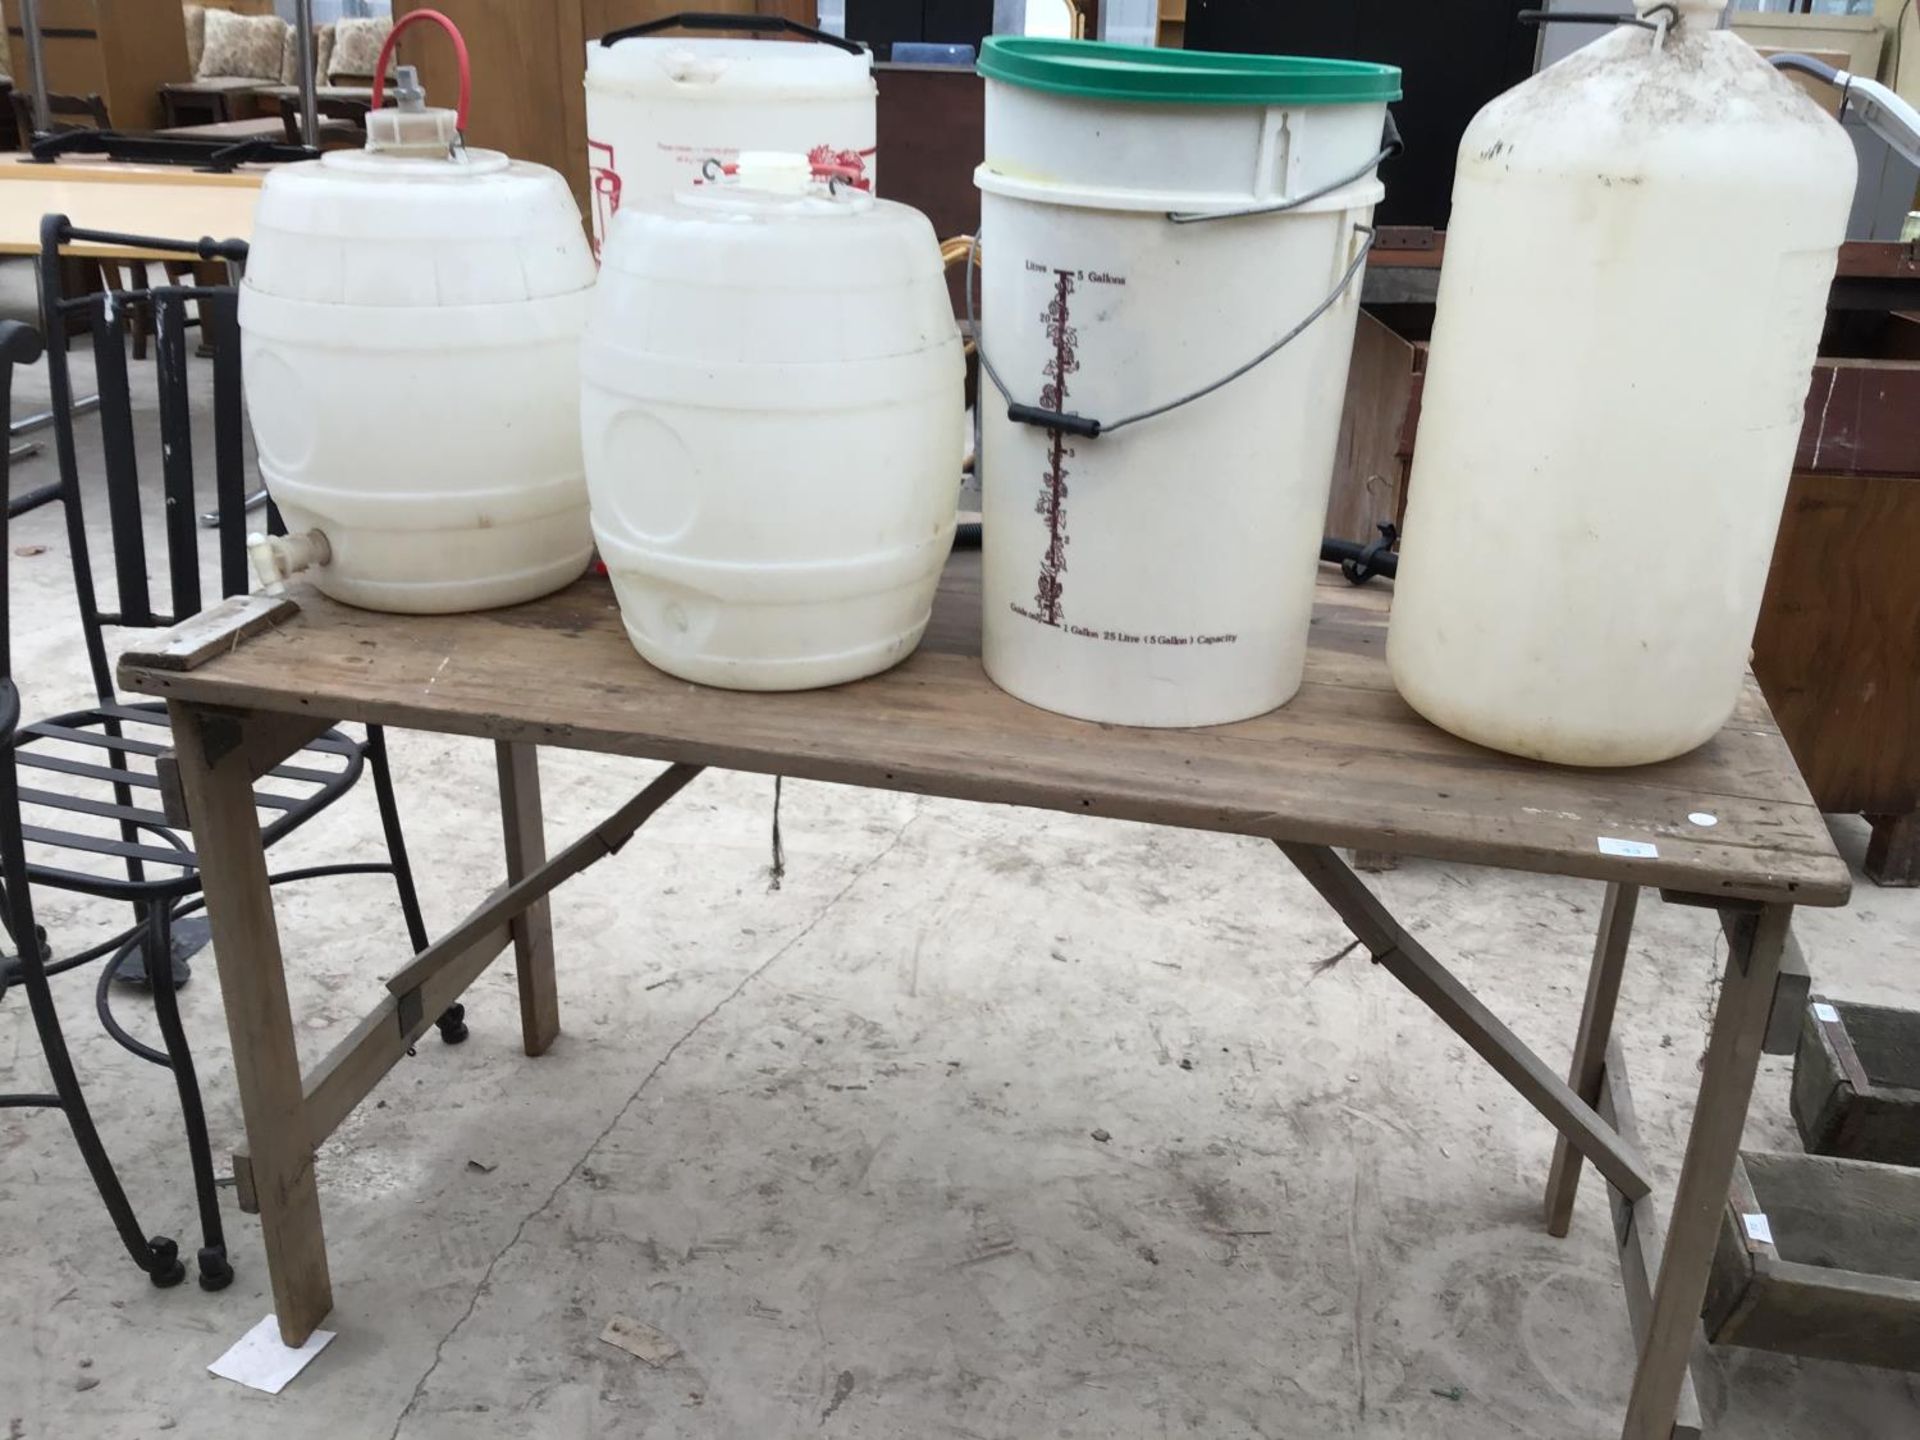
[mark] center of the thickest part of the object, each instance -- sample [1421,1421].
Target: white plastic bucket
[660,106]
[1163,574]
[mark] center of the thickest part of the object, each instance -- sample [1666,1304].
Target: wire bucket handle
[756,24]
[1042,418]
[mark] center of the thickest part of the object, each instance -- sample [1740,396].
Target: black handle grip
[1053,420]
[19,344]
[1588,17]
[758,24]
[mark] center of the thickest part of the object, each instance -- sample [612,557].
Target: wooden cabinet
[530,66]
[1838,647]
[120,50]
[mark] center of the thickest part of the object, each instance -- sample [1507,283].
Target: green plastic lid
[1100,71]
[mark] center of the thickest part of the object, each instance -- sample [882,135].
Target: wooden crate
[1831,1270]
[1856,1082]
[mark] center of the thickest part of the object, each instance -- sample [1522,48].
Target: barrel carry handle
[758,24]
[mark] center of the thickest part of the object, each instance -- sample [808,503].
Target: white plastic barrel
[1642,241]
[771,406]
[410,323]
[660,106]
[1163,574]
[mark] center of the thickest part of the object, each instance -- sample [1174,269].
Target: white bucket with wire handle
[1171,245]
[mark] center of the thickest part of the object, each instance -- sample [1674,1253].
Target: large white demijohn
[1637,267]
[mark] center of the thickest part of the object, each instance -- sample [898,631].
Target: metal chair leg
[157,1255]
[215,1272]
[452,1021]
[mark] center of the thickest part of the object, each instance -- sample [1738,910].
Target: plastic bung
[771,411]
[1152,221]
[410,320]
[1637,267]
[659,107]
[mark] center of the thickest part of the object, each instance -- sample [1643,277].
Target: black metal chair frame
[147,839]
[158,1255]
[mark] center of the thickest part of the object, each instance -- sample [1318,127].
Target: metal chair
[99,782]
[158,1255]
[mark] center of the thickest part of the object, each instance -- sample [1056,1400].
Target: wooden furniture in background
[1375,448]
[209,102]
[121,50]
[64,112]
[929,126]
[343,120]
[530,66]
[1838,651]
[1838,645]
[1173,23]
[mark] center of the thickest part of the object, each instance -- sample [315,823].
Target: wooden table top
[1346,762]
[100,194]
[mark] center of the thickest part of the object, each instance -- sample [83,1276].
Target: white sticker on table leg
[1629,849]
[1759,1228]
[1825,1012]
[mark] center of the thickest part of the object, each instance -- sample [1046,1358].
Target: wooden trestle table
[1346,763]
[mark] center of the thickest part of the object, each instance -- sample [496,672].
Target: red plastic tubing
[459,52]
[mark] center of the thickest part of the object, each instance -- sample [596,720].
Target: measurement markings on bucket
[1063,361]
[1095,277]
[1122,637]
[1051,506]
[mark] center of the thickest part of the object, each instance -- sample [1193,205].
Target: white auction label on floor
[259,1360]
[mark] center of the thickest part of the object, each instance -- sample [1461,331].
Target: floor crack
[486,1278]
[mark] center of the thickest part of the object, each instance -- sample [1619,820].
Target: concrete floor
[837,1139]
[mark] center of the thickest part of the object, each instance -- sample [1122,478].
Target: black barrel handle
[758,24]
[1053,420]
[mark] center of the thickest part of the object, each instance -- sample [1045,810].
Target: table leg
[1590,1045]
[526,840]
[1893,852]
[1719,1117]
[214,769]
